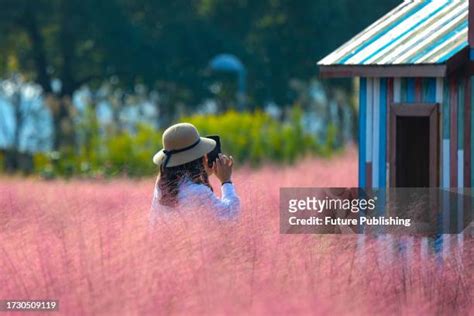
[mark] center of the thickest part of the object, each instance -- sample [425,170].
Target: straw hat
[182,144]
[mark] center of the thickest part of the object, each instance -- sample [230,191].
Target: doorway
[414,145]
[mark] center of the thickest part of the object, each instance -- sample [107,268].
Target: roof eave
[459,60]
[340,71]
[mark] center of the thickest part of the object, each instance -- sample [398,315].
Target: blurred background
[87,87]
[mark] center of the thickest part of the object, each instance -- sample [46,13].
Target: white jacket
[199,196]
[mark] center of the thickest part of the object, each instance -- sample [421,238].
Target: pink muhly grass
[88,244]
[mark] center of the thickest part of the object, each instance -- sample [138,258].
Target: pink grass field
[87,244]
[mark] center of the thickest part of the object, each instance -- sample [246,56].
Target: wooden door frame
[430,110]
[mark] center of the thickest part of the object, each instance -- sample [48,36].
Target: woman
[183,181]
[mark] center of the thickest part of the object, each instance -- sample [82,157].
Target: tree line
[166,45]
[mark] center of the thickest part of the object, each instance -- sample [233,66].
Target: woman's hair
[171,177]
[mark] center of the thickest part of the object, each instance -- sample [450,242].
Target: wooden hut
[415,116]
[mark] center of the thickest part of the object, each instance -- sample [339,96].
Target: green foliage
[250,137]
[169,43]
[120,154]
[131,154]
[256,137]
[166,46]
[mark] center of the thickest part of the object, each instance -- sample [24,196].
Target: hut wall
[456,130]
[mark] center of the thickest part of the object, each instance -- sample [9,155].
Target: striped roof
[415,32]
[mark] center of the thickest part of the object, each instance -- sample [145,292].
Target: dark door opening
[414,139]
[412,151]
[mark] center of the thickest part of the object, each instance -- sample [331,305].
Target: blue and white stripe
[415,32]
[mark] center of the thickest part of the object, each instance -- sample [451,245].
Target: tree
[166,46]
[63,44]
[281,40]
[24,124]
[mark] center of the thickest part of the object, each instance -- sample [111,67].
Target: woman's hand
[222,167]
